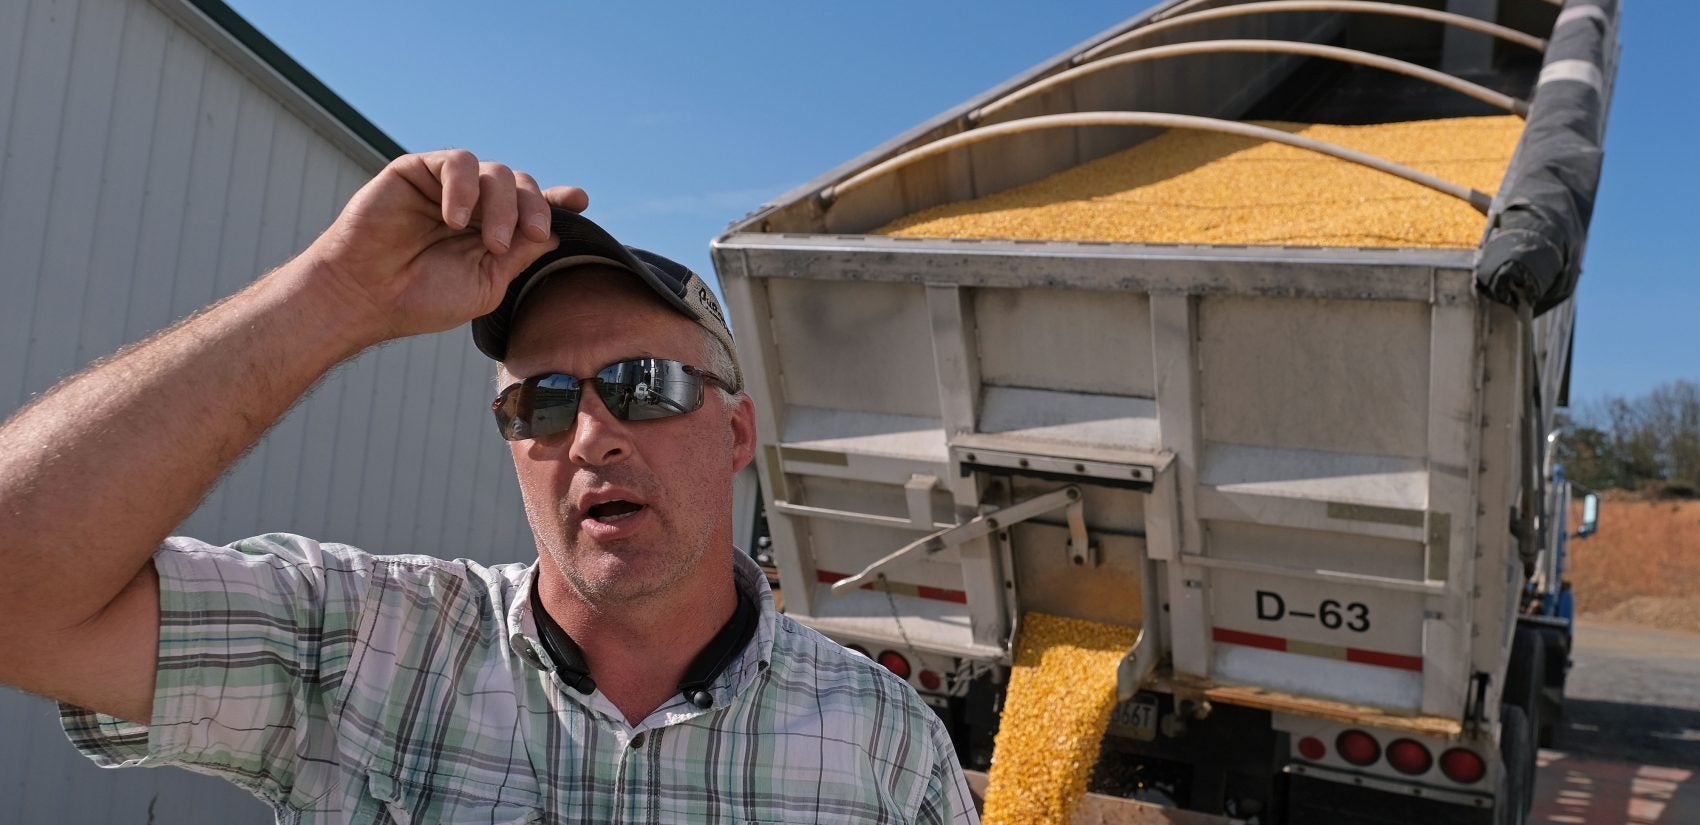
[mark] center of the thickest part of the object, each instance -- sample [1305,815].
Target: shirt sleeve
[947,801]
[254,639]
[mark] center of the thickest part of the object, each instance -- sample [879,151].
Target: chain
[908,646]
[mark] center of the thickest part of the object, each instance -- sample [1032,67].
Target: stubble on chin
[593,571]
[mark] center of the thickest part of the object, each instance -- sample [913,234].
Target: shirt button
[637,741]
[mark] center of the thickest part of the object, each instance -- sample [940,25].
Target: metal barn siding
[155,156]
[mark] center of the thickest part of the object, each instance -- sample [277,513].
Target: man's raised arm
[96,472]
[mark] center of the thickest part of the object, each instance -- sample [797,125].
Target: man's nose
[598,437]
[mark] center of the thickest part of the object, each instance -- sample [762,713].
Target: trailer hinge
[1082,550]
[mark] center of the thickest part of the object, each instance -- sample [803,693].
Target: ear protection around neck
[715,657]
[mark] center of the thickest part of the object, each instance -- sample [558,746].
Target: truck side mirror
[1590,516]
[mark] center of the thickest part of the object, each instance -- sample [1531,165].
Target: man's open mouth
[609,512]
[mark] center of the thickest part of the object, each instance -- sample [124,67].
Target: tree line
[1650,442]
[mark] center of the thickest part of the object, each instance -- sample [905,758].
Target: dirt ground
[1642,567]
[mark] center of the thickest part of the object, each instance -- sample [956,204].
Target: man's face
[625,510]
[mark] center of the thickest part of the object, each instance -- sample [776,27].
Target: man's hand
[96,472]
[433,240]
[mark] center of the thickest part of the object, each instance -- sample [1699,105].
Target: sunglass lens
[510,413]
[649,388]
[554,405]
[615,385]
[537,407]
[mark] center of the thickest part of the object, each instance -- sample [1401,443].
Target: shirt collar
[524,641]
[522,626]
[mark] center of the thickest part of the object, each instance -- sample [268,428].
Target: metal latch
[1081,549]
[985,523]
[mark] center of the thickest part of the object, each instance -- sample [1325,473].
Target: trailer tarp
[1533,250]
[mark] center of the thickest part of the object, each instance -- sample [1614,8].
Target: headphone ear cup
[721,651]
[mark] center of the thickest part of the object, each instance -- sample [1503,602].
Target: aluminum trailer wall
[150,162]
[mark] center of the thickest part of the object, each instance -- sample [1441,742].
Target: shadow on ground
[1645,734]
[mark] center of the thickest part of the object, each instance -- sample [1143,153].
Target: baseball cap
[583,242]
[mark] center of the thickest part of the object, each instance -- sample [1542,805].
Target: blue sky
[680,117]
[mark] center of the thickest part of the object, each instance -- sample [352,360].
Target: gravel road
[1629,748]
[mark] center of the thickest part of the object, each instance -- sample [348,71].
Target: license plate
[1136,718]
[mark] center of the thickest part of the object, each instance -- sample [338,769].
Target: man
[636,672]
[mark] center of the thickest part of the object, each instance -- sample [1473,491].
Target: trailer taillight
[1462,766]
[929,680]
[1409,757]
[1357,747]
[895,663]
[1312,748]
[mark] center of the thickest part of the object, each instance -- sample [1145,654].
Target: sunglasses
[642,389]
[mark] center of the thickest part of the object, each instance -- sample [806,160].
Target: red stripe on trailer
[1240,637]
[941,594]
[1396,661]
[1393,660]
[923,591]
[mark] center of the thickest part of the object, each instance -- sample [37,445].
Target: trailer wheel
[1517,750]
[1557,651]
[1525,674]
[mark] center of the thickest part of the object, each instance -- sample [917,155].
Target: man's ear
[743,433]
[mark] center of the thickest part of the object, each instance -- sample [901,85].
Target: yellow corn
[1060,694]
[1206,188]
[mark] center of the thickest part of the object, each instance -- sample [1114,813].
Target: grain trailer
[1308,463]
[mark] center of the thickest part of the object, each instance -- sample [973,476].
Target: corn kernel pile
[1060,694]
[1206,188]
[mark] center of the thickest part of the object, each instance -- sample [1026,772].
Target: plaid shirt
[340,686]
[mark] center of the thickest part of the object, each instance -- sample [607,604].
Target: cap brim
[582,242]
